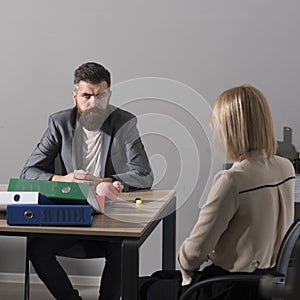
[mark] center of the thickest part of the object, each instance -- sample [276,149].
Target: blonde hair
[242,122]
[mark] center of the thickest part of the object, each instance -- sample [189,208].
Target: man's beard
[93,118]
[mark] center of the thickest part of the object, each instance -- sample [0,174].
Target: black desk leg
[27,272]
[169,239]
[130,270]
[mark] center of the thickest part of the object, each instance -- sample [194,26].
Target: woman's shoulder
[259,171]
[283,161]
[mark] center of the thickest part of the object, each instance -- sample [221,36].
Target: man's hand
[82,177]
[66,178]
[110,190]
[86,177]
[118,185]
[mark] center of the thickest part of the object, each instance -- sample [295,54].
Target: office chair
[290,291]
[281,273]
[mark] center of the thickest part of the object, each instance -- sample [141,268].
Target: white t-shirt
[91,143]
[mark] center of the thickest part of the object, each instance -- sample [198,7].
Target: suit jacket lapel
[105,142]
[77,147]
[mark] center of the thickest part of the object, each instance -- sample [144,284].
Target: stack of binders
[43,202]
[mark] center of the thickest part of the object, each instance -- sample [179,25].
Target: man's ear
[109,95]
[74,96]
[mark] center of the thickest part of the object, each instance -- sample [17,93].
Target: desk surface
[124,217]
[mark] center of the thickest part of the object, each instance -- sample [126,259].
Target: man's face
[91,95]
[91,102]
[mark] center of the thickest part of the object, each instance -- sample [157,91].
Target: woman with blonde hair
[250,206]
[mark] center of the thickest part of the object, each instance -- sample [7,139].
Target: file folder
[104,202]
[49,215]
[58,192]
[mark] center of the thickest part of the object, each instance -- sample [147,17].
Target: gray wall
[208,46]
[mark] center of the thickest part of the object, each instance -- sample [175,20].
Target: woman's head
[242,122]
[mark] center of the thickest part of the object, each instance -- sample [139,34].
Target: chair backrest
[286,251]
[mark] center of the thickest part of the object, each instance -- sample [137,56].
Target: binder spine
[49,215]
[22,198]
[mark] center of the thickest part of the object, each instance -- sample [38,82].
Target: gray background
[207,45]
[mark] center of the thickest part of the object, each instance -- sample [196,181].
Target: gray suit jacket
[122,153]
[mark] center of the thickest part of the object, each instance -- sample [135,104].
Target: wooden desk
[124,222]
[3,187]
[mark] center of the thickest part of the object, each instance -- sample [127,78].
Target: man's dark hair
[91,72]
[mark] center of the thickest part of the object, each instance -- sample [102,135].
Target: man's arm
[129,158]
[83,177]
[40,164]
